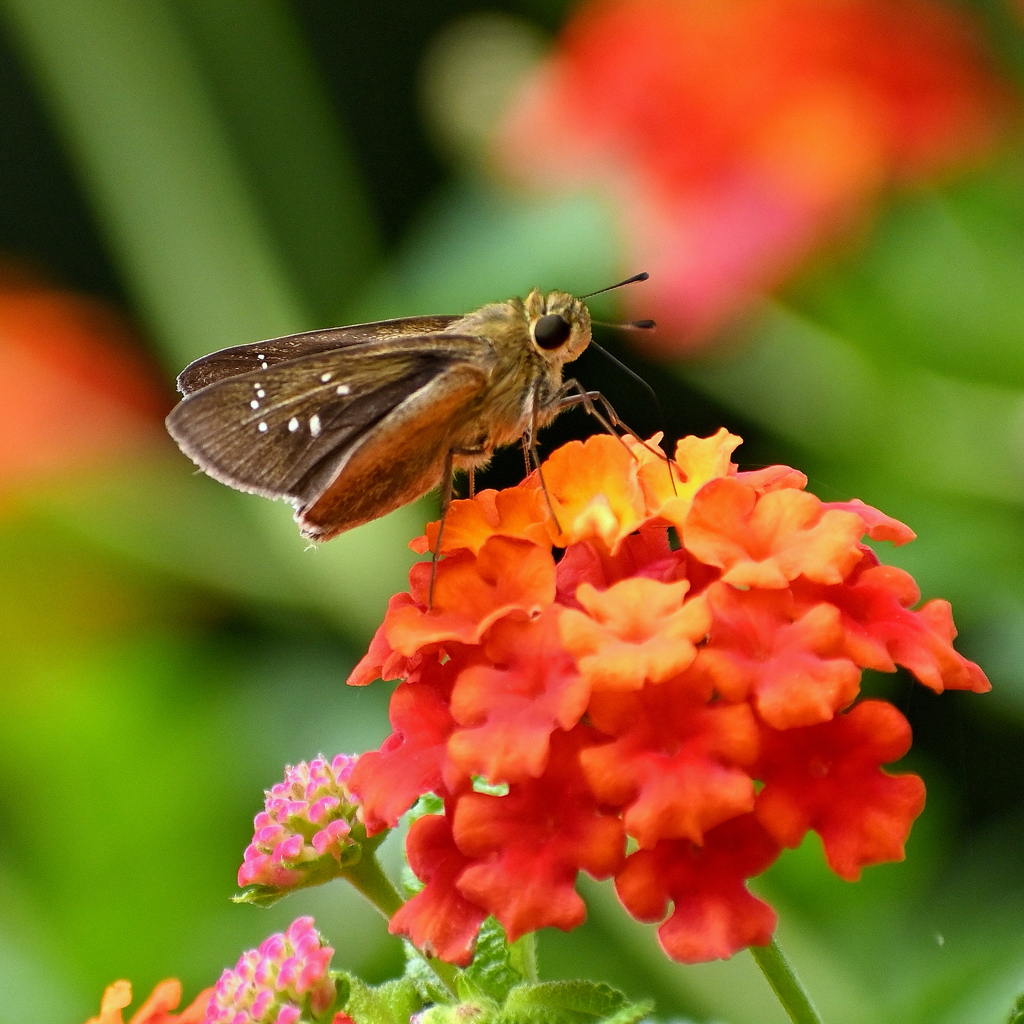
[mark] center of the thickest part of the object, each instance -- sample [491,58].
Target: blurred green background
[223,171]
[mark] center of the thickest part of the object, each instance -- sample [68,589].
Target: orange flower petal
[788,660]
[156,1009]
[595,492]
[635,631]
[769,540]
[698,460]
[471,593]
[515,512]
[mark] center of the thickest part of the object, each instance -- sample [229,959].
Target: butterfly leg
[530,446]
[573,393]
[526,454]
[447,493]
[446,499]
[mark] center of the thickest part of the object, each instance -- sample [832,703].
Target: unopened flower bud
[285,981]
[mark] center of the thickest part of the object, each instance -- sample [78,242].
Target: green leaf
[492,971]
[571,1002]
[1017,1013]
[394,1002]
[422,976]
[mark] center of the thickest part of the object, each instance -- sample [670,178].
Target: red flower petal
[528,846]
[827,778]
[790,661]
[644,553]
[676,766]
[439,920]
[714,915]
[508,706]
[380,661]
[877,525]
[414,759]
[882,632]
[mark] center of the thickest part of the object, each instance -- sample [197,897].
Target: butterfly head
[559,325]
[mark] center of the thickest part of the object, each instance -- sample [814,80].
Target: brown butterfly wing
[263,355]
[399,460]
[287,431]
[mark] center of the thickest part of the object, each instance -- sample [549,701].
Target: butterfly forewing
[264,355]
[287,430]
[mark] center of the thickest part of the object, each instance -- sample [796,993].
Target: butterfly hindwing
[401,458]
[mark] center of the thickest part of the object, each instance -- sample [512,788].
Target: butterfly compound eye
[551,331]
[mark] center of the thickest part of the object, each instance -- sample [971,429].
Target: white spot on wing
[293,424]
[263,428]
[342,389]
[325,377]
[264,365]
[261,393]
[254,404]
[314,425]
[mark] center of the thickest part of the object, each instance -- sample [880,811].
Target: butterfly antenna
[636,376]
[612,287]
[647,387]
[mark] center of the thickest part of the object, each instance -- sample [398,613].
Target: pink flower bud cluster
[306,818]
[285,981]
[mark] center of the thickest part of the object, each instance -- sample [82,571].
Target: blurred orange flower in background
[74,387]
[156,1009]
[736,135]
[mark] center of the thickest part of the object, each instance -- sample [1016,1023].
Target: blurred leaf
[819,392]
[480,245]
[294,156]
[130,769]
[162,513]
[126,91]
[940,283]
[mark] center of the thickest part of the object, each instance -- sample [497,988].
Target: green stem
[786,985]
[368,878]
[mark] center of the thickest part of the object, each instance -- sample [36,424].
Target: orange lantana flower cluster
[657,685]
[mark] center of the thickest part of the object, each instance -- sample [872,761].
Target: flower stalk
[785,984]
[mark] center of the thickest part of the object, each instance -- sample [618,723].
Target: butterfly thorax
[524,371]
